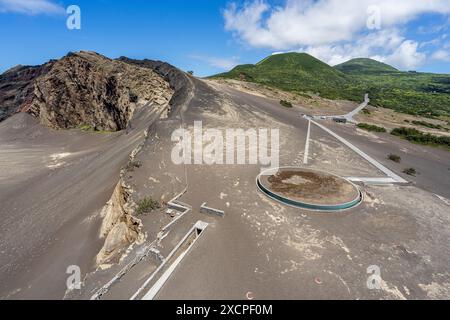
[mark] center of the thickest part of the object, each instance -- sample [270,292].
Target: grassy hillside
[416,93]
[297,72]
[408,92]
[364,66]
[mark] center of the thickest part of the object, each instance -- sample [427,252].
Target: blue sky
[210,36]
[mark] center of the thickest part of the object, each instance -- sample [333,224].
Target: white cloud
[31,7]
[406,56]
[318,22]
[441,55]
[247,21]
[218,62]
[333,30]
[372,46]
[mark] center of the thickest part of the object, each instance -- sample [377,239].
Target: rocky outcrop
[91,90]
[82,89]
[119,227]
[17,87]
[179,81]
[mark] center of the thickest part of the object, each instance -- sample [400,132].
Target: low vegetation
[371,127]
[304,95]
[89,128]
[133,165]
[429,125]
[394,157]
[410,171]
[147,205]
[419,137]
[86,127]
[415,93]
[408,93]
[286,104]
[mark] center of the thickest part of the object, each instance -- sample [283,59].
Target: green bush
[286,104]
[410,171]
[86,127]
[147,205]
[89,128]
[371,127]
[419,137]
[395,158]
[427,124]
[304,95]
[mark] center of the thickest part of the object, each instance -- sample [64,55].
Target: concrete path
[349,116]
[371,160]
[306,155]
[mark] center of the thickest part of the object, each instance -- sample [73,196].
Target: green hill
[364,66]
[408,92]
[416,93]
[297,72]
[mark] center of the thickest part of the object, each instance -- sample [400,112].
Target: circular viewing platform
[309,189]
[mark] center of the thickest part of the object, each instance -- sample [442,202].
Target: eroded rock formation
[119,227]
[17,87]
[82,89]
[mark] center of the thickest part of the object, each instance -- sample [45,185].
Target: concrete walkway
[371,160]
[306,155]
[349,116]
